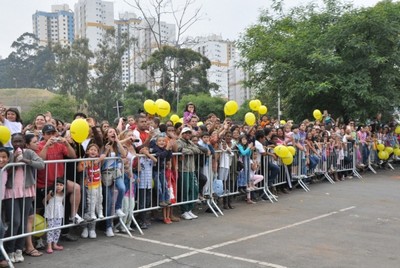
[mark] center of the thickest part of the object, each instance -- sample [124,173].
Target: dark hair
[178,125]
[80,114]
[3,149]
[267,130]
[162,128]
[29,137]
[15,110]
[259,134]
[187,106]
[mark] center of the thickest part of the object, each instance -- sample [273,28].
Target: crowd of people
[142,163]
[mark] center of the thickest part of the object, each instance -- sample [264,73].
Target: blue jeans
[108,194]
[365,153]
[273,171]
[162,186]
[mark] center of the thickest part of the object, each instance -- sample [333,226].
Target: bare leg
[75,199]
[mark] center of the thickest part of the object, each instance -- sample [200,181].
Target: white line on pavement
[207,250]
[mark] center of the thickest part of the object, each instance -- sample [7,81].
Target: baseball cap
[48,128]
[186,129]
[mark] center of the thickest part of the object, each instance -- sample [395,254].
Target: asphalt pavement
[352,223]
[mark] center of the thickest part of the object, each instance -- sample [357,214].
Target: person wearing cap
[187,178]
[53,147]
[12,120]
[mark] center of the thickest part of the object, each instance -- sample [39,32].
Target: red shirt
[55,152]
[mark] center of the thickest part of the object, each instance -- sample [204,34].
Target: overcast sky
[225,17]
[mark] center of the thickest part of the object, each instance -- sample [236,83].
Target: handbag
[218,187]
[108,176]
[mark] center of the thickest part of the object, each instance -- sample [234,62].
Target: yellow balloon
[230,108]
[163,108]
[5,135]
[383,155]
[174,118]
[317,114]
[39,224]
[396,152]
[262,110]
[282,122]
[150,107]
[250,119]
[79,130]
[282,151]
[254,105]
[397,130]
[380,147]
[158,101]
[292,150]
[389,150]
[287,160]
[181,120]
[200,123]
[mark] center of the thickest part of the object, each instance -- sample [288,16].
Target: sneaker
[109,232]
[92,234]
[12,257]
[40,244]
[76,219]
[85,233]
[101,215]
[186,216]
[18,256]
[191,214]
[120,213]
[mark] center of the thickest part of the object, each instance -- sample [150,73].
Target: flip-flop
[33,253]
[49,251]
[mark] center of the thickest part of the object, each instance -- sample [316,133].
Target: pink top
[19,190]
[3,184]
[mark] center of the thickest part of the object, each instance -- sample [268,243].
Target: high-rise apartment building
[144,43]
[54,27]
[218,51]
[224,71]
[92,18]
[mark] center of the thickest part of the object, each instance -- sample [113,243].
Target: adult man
[56,148]
[187,177]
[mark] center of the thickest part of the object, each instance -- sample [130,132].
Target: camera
[57,139]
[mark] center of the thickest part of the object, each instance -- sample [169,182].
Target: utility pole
[118,107]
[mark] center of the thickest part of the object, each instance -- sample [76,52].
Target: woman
[37,126]
[113,148]
[19,194]
[31,142]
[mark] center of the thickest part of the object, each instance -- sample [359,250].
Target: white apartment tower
[92,18]
[144,43]
[54,27]
[236,76]
[219,52]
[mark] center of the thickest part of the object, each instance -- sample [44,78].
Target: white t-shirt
[260,149]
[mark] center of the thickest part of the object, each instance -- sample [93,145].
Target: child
[190,111]
[145,185]
[255,168]
[163,152]
[92,182]
[11,120]
[243,179]
[54,213]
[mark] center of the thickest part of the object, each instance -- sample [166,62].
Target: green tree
[337,58]
[179,72]
[106,83]
[134,97]
[205,104]
[72,70]
[61,107]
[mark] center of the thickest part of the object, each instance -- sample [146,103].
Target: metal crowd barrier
[146,184]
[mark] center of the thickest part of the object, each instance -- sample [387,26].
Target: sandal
[49,251]
[33,253]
